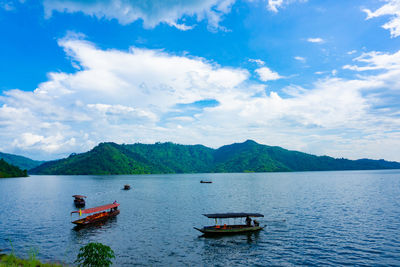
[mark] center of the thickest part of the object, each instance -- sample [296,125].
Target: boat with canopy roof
[100,214]
[224,229]
[79,200]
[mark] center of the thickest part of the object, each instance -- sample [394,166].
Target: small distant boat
[224,229]
[100,214]
[79,200]
[205,182]
[127,187]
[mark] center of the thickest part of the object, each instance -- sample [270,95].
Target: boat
[100,214]
[224,229]
[79,200]
[127,187]
[205,182]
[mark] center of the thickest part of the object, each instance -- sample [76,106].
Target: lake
[312,218]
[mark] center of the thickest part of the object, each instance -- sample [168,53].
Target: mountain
[8,170]
[249,156]
[20,161]
[175,158]
[110,158]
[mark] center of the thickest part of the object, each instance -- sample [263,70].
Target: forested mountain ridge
[249,156]
[8,170]
[20,161]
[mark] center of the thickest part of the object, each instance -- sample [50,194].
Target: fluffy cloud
[151,13]
[112,96]
[274,5]
[391,8]
[315,40]
[148,95]
[265,74]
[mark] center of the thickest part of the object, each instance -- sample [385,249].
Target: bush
[95,254]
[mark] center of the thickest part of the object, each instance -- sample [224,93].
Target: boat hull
[229,230]
[96,218]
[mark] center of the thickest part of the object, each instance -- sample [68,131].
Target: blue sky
[321,77]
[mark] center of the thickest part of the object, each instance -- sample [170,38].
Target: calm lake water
[312,218]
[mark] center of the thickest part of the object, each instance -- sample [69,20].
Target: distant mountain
[111,158]
[20,161]
[8,170]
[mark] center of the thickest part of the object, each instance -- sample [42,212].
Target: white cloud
[151,13]
[259,62]
[265,74]
[137,96]
[48,144]
[302,59]
[352,52]
[391,8]
[376,61]
[113,95]
[274,5]
[315,40]
[28,139]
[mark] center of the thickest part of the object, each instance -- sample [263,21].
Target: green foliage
[110,158]
[13,261]
[20,161]
[7,170]
[95,254]
[32,255]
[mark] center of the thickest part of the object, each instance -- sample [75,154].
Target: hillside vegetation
[8,170]
[20,161]
[111,158]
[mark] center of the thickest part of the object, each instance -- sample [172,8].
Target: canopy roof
[233,215]
[79,196]
[97,209]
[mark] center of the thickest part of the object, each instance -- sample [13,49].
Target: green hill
[111,158]
[174,158]
[20,161]
[8,170]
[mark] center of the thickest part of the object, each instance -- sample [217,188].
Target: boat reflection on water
[95,227]
[235,248]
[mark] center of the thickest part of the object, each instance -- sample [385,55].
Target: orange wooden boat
[100,214]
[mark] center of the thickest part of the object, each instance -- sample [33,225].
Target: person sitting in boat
[256,223]
[248,221]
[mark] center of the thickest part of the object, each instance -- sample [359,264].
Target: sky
[317,76]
